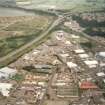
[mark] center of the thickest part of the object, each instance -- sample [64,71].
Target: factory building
[8,2]
[6,73]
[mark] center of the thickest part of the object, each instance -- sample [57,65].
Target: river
[14,12]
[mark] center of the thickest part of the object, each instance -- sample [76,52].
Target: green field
[74,5]
[10,44]
[18,31]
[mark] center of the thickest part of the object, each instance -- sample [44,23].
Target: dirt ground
[50,102]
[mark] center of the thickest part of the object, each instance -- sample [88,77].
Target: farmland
[74,5]
[17,31]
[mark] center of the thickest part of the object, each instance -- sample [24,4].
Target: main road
[13,55]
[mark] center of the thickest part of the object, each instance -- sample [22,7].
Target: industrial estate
[52,52]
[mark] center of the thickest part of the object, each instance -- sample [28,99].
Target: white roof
[92,66]
[42,83]
[102,64]
[101,74]
[58,38]
[3,75]
[60,31]
[67,23]
[26,57]
[71,65]
[79,51]
[7,70]
[60,84]
[104,80]
[92,62]
[36,52]
[23,3]
[102,54]
[75,36]
[83,55]
[68,43]
[4,88]
[64,55]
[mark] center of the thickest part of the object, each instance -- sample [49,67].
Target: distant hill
[8,2]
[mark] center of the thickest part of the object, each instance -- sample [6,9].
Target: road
[11,56]
[93,39]
[87,37]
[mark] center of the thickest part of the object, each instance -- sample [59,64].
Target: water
[14,12]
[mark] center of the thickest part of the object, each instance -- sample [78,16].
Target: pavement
[57,103]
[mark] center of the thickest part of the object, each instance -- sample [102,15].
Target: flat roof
[91,62]
[79,51]
[75,36]
[4,88]
[7,70]
[88,85]
[83,55]
[64,55]
[102,54]
[68,42]
[71,65]
[92,66]
[100,74]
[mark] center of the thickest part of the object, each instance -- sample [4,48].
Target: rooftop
[7,70]
[83,55]
[91,62]
[4,88]
[71,65]
[102,54]
[79,51]
[100,74]
[88,85]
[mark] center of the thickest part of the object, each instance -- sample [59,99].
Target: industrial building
[7,72]
[5,88]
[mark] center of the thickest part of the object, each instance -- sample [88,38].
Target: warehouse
[71,65]
[83,56]
[6,73]
[91,63]
[4,88]
[79,51]
[101,74]
[87,85]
